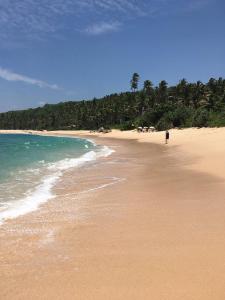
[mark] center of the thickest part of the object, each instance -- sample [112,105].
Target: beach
[146,222]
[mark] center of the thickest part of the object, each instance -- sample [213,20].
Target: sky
[59,50]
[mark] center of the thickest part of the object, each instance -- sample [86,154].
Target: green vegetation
[183,105]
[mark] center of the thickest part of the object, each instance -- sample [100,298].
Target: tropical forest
[180,106]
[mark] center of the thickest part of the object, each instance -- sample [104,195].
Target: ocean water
[31,165]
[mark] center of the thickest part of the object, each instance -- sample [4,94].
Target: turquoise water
[31,165]
[18,152]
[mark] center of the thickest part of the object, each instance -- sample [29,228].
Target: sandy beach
[147,222]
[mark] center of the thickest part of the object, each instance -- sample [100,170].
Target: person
[167,136]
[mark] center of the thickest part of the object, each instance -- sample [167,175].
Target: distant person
[167,136]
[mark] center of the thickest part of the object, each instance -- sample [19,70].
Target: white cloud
[11,76]
[20,19]
[42,103]
[100,28]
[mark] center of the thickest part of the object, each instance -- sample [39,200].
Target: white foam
[68,163]
[115,180]
[32,201]
[43,192]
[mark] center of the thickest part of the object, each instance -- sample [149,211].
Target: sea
[31,165]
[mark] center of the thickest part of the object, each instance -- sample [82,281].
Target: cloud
[101,28]
[11,76]
[42,103]
[32,19]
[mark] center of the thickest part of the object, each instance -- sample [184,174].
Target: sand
[156,231]
[205,147]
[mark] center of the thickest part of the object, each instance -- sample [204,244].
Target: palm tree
[134,82]
[183,91]
[148,87]
[162,91]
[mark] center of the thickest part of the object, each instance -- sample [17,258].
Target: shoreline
[159,234]
[203,148]
[41,191]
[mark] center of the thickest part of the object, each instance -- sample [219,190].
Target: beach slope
[157,233]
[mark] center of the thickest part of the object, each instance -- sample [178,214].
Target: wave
[68,163]
[32,201]
[43,192]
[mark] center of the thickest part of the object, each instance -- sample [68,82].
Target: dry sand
[202,149]
[157,233]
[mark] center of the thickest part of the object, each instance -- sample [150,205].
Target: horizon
[84,50]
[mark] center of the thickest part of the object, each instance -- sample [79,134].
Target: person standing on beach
[167,137]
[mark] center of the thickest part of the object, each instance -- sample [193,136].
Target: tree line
[182,105]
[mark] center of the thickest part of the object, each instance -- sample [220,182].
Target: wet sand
[154,231]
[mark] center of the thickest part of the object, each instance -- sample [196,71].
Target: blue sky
[57,50]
